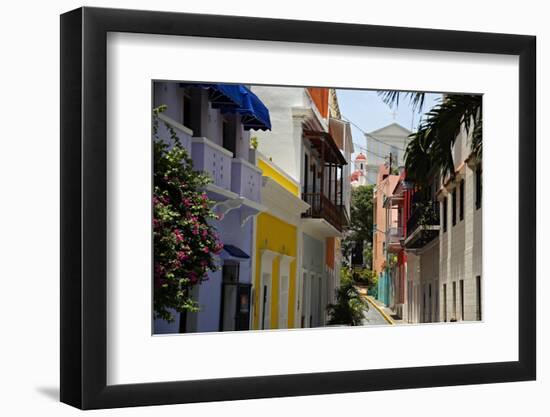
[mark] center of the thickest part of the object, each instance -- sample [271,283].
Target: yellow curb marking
[382,312]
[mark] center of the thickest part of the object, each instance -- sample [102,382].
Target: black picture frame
[84,207]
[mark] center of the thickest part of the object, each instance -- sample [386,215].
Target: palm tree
[430,150]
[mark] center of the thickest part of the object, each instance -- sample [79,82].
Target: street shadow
[49,392]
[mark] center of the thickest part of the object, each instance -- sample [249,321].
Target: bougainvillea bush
[184,242]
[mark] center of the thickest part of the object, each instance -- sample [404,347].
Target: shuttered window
[461,208]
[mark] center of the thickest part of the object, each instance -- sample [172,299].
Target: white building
[444,248]
[381,143]
[460,258]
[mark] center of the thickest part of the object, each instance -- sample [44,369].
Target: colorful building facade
[301,143]
[437,271]
[282,205]
[275,285]
[213,123]
[384,221]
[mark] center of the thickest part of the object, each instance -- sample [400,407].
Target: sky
[366,109]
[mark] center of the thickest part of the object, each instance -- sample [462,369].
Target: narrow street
[373,316]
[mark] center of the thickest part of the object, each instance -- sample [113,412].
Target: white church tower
[359,174]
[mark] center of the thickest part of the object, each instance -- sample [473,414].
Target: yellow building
[277,254]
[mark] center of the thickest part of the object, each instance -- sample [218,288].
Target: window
[478,298]
[454,207]
[453,318]
[306,172]
[444,302]
[314,175]
[444,219]
[424,305]
[461,299]
[430,303]
[461,207]
[230,272]
[186,111]
[479,183]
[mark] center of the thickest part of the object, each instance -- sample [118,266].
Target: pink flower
[182,256]
[218,248]
[206,250]
[179,236]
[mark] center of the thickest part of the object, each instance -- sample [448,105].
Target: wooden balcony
[323,208]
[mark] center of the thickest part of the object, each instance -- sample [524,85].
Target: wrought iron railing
[424,214]
[322,207]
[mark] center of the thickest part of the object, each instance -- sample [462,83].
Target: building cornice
[281,203]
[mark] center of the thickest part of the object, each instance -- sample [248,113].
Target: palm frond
[391,98]
[430,151]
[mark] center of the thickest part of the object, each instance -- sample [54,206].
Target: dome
[361,157]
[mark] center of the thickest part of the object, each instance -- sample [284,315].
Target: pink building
[385,185]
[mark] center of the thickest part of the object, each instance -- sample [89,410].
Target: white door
[283,302]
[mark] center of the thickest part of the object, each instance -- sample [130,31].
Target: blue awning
[222,96]
[236,98]
[235,251]
[254,113]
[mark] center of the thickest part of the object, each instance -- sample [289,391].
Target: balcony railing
[246,179]
[394,234]
[184,134]
[323,208]
[213,160]
[423,224]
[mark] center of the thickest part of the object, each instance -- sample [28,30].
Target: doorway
[235,300]
[265,302]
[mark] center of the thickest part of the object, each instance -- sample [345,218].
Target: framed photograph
[256,208]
